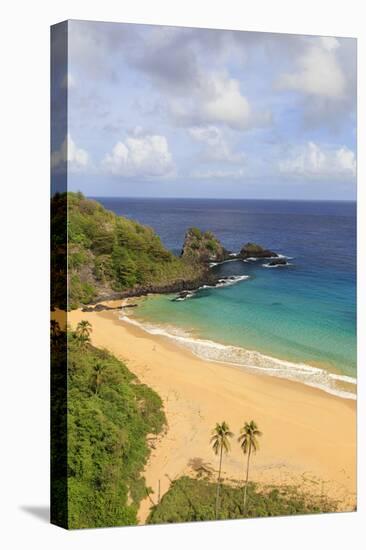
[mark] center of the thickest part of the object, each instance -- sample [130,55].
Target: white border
[24,270]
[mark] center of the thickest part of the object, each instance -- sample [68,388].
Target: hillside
[110,417]
[192,499]
[111,256]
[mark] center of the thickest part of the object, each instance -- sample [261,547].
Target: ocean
[298,321]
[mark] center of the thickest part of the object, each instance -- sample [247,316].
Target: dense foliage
[202,246]
[110,414]
[191,499]
[109,253]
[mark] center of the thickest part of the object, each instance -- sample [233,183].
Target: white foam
[253,360]
[188,295]
[279,256]
[269,266]
[213,264]
[343,378]
[227,281]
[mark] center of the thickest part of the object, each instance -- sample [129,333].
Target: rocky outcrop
[106,307]
[180,285]
[199,249]
[252,250]
[203,247]
[277,261]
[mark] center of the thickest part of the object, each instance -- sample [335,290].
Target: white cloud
[219,174]
[311,161]
[225,103]
[208,134]
[216,98]
[318,71]
[77,159]
[329,43]
[140,155]
[215,146]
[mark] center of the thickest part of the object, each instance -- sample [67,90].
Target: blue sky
[178,112]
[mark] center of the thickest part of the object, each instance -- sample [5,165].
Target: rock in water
[203,247]
[252,250]
[277,261]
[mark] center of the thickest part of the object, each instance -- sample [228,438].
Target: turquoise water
[298,321]
[258,315]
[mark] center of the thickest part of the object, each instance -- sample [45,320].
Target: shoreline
[301,424]
[250,360]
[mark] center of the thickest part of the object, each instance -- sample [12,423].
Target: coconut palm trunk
[246,479]
[248,440]
[218,486]
[220,437]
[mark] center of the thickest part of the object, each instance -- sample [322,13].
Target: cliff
[203,247]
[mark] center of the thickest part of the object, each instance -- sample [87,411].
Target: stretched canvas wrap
[203,324]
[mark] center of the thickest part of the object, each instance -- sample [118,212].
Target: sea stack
[203,247]
[252,250]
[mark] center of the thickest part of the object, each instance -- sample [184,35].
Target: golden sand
[309,436]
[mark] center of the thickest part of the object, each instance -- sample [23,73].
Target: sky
[157,111]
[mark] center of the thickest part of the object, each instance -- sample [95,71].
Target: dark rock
[277,261]
[98,307]
[180,285]
[104,307]
[252,250]
[184,293]
[203,247]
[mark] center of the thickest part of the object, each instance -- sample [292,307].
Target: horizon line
[219,198]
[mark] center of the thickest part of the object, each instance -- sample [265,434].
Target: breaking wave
[254,361]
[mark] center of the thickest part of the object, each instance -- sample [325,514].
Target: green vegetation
[110,414]
[220,442]
[109,253]
[82,332]
[200,498]
[196,232]
[202,247]
[190,499]
[99,455]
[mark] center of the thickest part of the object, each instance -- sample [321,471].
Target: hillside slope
[111,416]
[111,256]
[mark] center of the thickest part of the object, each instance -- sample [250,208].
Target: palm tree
[248,443]
[221,435]
[83,331]
[97,377]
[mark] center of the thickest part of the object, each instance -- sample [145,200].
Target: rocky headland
[111,257]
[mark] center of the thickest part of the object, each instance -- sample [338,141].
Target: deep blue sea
[297,321]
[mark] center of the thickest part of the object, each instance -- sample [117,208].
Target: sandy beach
[309,436]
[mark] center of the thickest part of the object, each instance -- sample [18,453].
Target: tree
[220,441]
[83,331]
[97,376]
[248,443]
